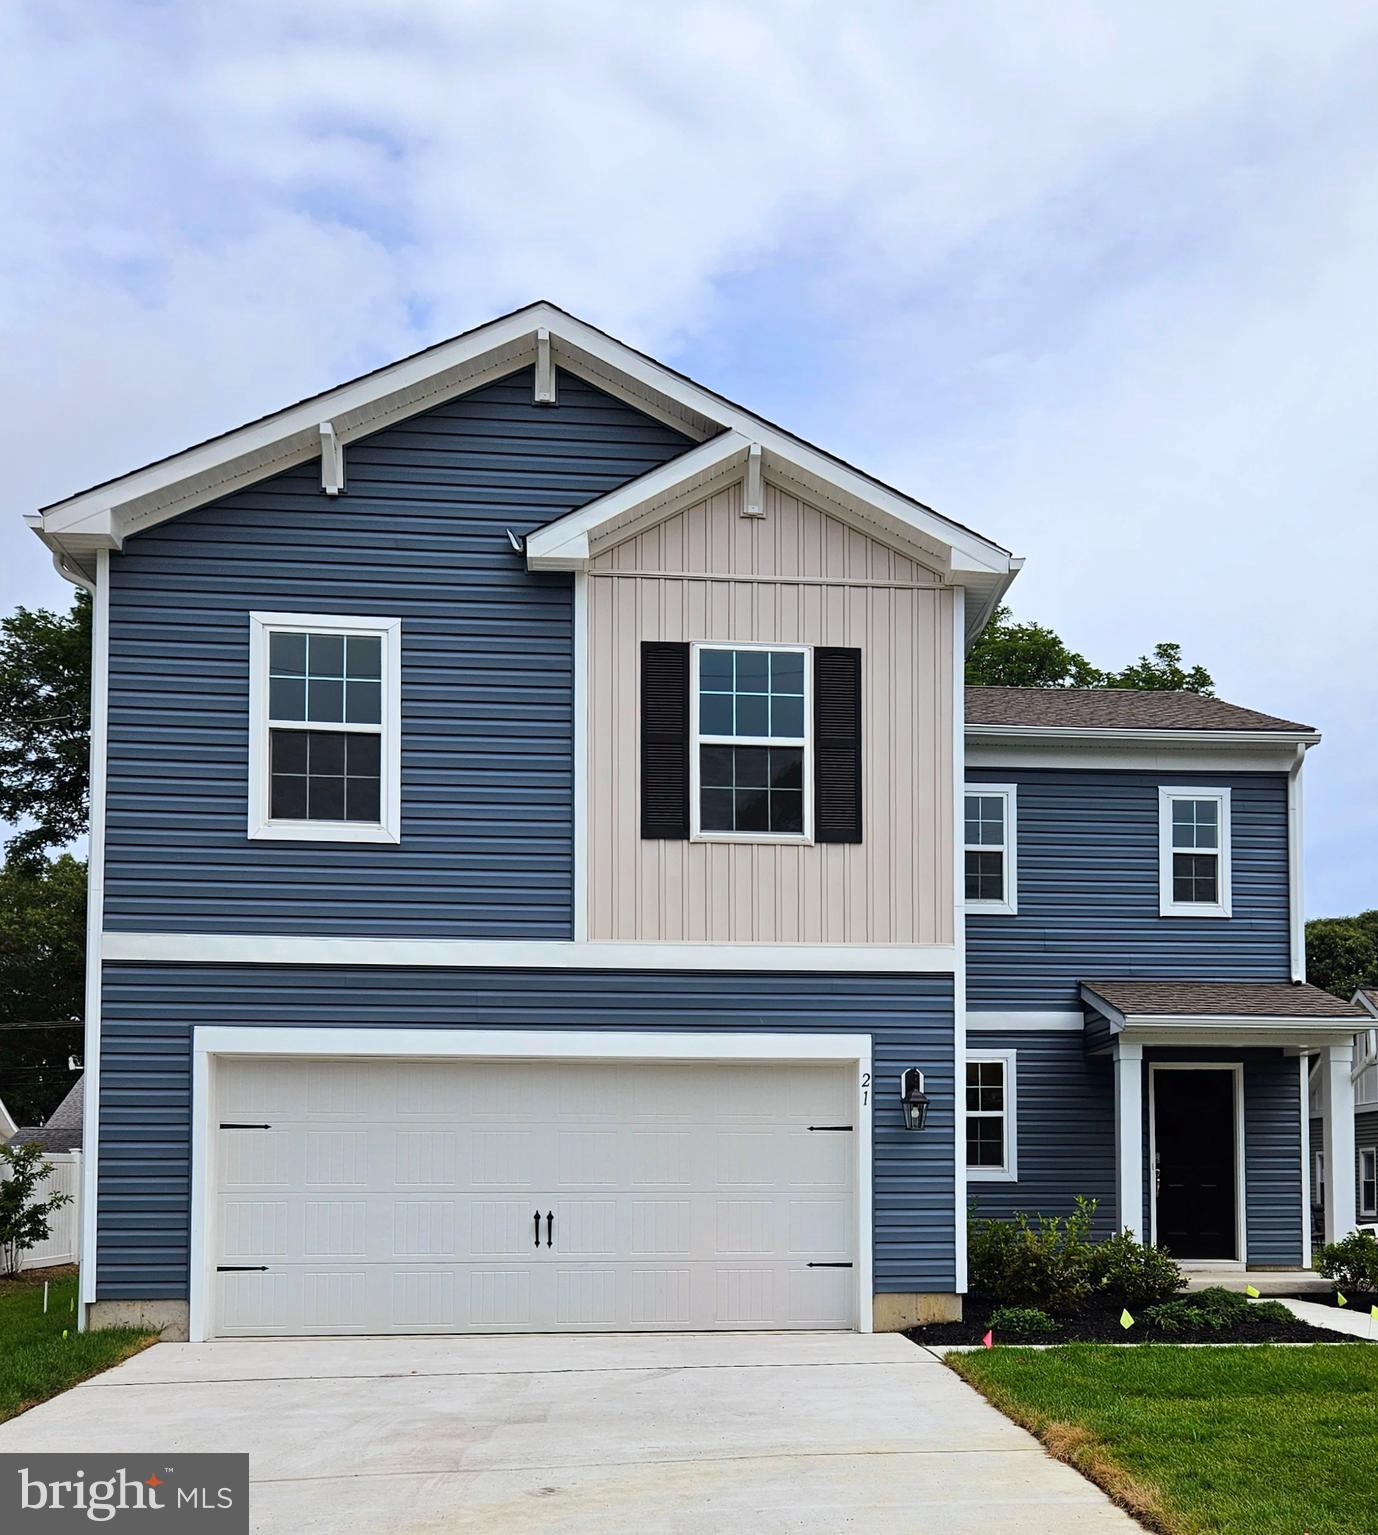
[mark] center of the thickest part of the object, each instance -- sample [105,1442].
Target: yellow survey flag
[1126,1321]
[1340,1300]
[1251,1292]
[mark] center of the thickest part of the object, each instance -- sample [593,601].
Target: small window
[324,728]
[990,846]
[1194,852]
[1318,1179]
[751,745]
[990,1119]
[1368,1182]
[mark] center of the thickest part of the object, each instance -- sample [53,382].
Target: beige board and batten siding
[795,576]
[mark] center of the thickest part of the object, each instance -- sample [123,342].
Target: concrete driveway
[763,1432]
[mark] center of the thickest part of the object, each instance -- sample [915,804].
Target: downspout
[1296,915]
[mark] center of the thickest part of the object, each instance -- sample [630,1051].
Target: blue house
[546,873]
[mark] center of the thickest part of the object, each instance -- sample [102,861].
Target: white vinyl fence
[64,1224]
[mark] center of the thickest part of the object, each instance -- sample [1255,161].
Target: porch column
[1129,1137]
[1338,1135]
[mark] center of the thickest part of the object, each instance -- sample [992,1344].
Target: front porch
[1212,1118]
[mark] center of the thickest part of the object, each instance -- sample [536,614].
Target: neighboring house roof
[62,1131]
[1142,1000]
[1367,998]
[7,1124]
[1115,709]
[547,337]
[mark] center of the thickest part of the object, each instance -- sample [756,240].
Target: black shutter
[664,740]
[836,744]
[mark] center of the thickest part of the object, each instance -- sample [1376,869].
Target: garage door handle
[549,1227]
[241,1268]
[537,1219]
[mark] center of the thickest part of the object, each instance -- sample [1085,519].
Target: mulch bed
[1100,1323]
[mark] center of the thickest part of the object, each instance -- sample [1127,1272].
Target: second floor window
[324,728]
[990,848]
[1194,852]
[751,744]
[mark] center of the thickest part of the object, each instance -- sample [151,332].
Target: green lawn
[1205,1441]
[36,1361]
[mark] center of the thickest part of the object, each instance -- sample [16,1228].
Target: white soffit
[102,517]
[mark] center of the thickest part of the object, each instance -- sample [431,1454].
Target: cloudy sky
[1097,279]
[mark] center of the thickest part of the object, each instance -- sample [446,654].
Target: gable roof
[1275,1000]
[1367,998]
[61,1131]
[103,516]
[1116,709]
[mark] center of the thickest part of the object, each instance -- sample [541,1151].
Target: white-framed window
[325,728]
[1318,1178]
[751,765]
[992,1150]
[991,848]
[1193,852]
[1368,1183]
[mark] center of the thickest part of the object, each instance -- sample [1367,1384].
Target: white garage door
[436,1196]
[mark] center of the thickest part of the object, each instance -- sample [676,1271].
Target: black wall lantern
[913,1099]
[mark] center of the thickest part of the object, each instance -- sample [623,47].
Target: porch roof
[1273,1011]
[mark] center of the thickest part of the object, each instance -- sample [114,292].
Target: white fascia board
[565,543]
[1003,748]
[519,954]
[1285,740]
[264,447]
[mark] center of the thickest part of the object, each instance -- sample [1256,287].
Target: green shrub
[1352,1263]
[1269,1311]
[1044,1262]
[1023,1322]
[1134,1274]
[1216,1309]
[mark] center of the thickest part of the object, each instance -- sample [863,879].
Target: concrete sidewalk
[771,1432]
[1357,1321]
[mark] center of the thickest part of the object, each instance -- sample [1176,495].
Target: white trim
[581,747]
[1296,894]
[1337,1137]
[210,1041]
[261,826]
[1368,1211]
[1188,740]
[1009,906]
[957,767]
[1240,1182]
[1008,1172]
[1026,1023]
[1168,794]
[696,832]
[95,921]
[517,954]
[544,390]
[332,461]
[1304,1063]
[1128,1070]
[753,492]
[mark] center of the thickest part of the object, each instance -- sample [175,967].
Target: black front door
[1194,1139]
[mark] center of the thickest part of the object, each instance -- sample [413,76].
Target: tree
[23,1217]
[42,962]
[1342,953]
[45,691]
[1030,655]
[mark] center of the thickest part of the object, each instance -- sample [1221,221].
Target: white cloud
[1094,279]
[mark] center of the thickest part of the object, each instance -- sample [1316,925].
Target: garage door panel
[402,1197]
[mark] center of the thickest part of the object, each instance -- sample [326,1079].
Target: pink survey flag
[989,1340]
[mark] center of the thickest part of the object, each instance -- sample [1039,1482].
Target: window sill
[992,1175]
[1219,912]
[990,909]
[772,839]
[322,831]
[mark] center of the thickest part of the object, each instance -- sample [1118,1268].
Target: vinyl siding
[487,676]
[1065,1120]
[793,576]
[1088,890]
[1066,1136]
[150,1010]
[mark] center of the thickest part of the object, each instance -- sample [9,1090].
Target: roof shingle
[1223,999]
[1114,709]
